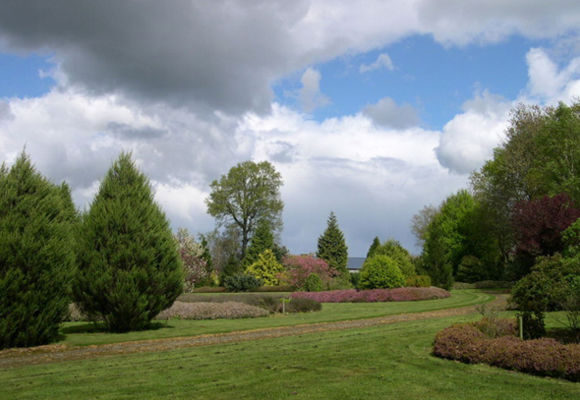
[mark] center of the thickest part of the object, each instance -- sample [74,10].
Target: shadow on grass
[99,327]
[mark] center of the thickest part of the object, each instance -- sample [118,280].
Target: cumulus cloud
[387,113]
[382,61]
[547,82]
[469,138]
[492,21]
[188,89]
[309,95]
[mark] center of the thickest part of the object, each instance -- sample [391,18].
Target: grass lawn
[386,362]
[76,333]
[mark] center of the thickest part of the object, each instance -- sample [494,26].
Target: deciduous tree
[249,193]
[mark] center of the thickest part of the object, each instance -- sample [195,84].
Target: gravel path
[54,353]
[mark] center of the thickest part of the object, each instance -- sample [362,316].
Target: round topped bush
[380,271]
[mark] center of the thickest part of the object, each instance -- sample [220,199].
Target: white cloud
[382,61]
[469,138]
[547,83]
[309,95]
[191,96]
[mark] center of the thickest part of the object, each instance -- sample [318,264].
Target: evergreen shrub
[37,255]
[129,269]
[241,282]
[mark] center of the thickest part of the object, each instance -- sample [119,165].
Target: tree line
[517,207]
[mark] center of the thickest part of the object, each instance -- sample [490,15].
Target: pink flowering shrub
[374,295]
[546,357]
[299,268]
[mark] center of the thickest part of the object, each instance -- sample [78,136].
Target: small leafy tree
[129,263]
[546,288]
[195,267]
[313,283]
[380,272]
[266,268]
[37,255]
[332,247]
[399,254]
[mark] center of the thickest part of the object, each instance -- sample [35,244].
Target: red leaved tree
[539,223]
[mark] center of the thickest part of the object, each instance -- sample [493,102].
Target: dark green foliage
[303,305]
[313,283]
[332,247]
[374,246]
[399,254]
[571,240]
[262,240]
[206,255]
[130,269]
[37,255]
[545,288]
[232,267]
[471,270]
[380,272]
[241,282]
[355,279]
[418,281]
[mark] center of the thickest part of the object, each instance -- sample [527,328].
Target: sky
[371,109]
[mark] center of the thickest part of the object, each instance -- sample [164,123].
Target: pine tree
[262,240]
[37,255]
[374,246]
[332,246]
[129,267]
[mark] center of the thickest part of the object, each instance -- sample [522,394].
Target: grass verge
[391,361]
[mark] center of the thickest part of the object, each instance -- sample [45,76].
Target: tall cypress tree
[332,246]
[36,255]
[129,267]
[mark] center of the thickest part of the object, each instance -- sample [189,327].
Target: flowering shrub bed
[546,357]
[230,310]
[374,295]
[269,302]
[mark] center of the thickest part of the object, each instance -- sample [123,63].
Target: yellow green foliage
[266,268]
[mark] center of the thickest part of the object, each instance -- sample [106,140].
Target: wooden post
[521,325]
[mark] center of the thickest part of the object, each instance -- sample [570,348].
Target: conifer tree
[374,246]
[332,246]
[266,268]
[262,240]
[129,267]
[36,255]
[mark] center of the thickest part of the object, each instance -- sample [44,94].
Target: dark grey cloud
[222,55]
[125,131]
[388,114]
